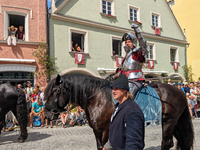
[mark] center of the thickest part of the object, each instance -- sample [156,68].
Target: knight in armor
[134,58]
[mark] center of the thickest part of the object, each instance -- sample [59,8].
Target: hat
[179,83]
[120,82]
[28,82]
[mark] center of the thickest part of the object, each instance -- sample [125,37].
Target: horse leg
[104,137]
[167,134]
[22,116]
[98,137]
[2,122]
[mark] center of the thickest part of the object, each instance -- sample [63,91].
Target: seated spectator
[74,115]
[20,33]
[37,110]
[64,117]
[34,95]
[51,124]
[81,112]
[11,37]
[77,48]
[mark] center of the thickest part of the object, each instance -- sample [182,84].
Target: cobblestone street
[77,138]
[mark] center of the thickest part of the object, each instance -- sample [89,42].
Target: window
[134,13]
[108,7]
[15,78]
[173,54]
[78,40]
[155,20]
[151,54]
[116,47]
[16,19]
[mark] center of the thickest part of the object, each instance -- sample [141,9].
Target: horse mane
[83,86]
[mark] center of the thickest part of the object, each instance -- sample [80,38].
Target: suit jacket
[126,130]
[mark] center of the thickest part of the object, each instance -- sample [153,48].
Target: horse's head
[56,97]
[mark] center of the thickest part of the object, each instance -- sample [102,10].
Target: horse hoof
[21,139]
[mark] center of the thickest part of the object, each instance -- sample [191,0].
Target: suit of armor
[133,61]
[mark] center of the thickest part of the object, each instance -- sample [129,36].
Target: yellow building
[187,13]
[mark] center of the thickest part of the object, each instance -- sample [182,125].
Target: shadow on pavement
[33,136]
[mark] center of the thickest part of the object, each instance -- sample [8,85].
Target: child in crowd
[192,102]
[34,95]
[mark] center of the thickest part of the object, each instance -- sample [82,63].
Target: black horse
[94,95]
[14,100]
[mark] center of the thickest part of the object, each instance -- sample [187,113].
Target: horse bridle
[54,107]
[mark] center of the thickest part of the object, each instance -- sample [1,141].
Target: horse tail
[184,132]
[22,115]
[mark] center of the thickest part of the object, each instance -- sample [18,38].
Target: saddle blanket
[150,103]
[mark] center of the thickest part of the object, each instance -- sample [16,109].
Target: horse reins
[98,91]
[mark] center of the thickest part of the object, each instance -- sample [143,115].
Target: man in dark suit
[127,122]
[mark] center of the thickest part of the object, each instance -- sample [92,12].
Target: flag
[175,64]
[151,64]
[79,58]
[157,30]
[119,61]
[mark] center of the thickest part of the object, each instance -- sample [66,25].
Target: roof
[58,3]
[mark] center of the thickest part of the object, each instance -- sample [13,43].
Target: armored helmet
[130,36]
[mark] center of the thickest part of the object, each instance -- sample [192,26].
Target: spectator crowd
[73,115]
[192,93]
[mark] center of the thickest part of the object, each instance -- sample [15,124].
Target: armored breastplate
[132,65]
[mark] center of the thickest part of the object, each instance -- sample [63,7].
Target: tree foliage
[47,62]
[187,72]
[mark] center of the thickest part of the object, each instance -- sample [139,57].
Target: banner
[157,30]
[79,58]
[175,64]
[119,61]
[151,64]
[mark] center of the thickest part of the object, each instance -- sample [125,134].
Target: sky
[49,3]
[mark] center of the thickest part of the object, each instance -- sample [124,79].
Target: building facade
[17,62]
[186,11]
[97,28]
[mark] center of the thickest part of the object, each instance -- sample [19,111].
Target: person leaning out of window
[11,38]
[20,33]
[126,130]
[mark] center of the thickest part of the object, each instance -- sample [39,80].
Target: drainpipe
[186,48]
[186,53]
[47,31]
